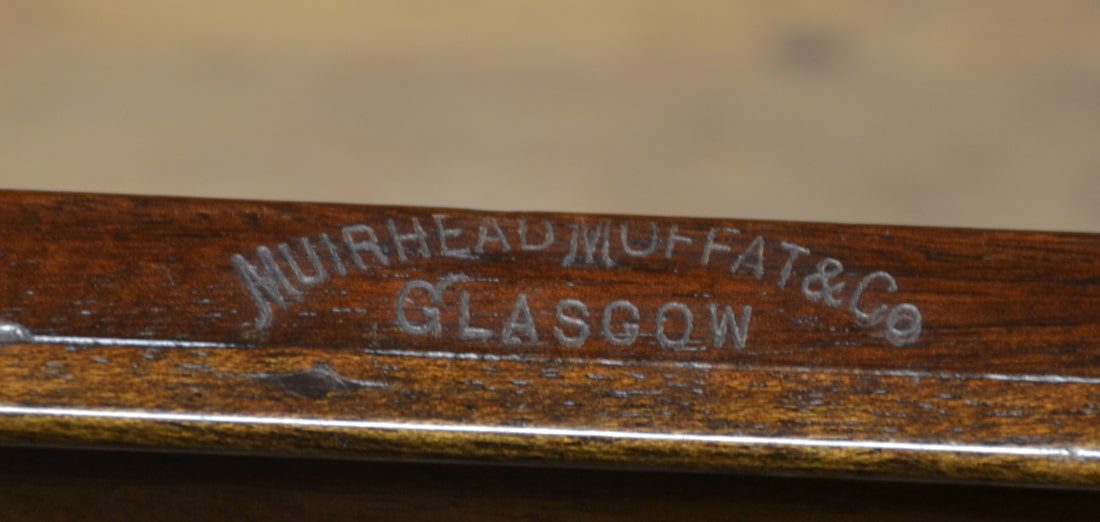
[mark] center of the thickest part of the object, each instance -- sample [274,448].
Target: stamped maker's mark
[277,277]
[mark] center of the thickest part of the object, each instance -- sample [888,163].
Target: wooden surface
[980,113]
[139,331]
[58,485]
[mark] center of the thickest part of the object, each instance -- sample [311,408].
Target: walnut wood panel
[673,343]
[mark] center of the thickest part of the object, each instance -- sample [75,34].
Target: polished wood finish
[138,330]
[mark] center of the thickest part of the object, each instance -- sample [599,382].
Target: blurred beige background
[978,113]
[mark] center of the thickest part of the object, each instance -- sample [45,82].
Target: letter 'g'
[431,324]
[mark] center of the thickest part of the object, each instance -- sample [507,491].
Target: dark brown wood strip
[61,485]
[382,332]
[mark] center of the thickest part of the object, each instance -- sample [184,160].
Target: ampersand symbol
[827,269]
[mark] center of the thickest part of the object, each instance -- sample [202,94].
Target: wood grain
[141,332]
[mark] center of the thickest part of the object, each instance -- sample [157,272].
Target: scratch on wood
[315,383]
